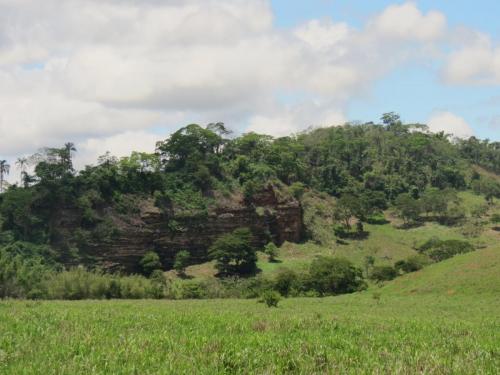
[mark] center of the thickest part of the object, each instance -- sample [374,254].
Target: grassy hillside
[472,274]
[388,243]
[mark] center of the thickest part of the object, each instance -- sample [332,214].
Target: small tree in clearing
[234,253]
[271,250]
[181,261]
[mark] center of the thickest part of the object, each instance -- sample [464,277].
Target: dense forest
[363,169]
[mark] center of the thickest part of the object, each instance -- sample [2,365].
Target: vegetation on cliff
[344,177]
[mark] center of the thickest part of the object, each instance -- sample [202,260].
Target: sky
[118,75]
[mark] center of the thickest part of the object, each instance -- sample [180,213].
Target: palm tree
[4,170]
[22,162]
[68,149]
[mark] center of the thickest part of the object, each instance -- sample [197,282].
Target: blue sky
[413,91]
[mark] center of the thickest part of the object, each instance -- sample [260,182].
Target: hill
[368,192]
[465,274]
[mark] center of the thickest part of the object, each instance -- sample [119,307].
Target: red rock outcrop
[269,217]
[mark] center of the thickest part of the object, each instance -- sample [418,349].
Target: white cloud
[119,145]
[293,119]
[407,22]
[94,71]
[477,63]
[450,124]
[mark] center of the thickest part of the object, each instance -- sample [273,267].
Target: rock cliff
[269,216]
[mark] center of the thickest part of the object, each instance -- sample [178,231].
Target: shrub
[413,263]
[383,273]
[297,189]
[136,287]
[21,277]
[377,219]
[495,218]
[181,261]
[271,298]
[271,250]
[330,276]
[285,281]
[191,289]
[439,250]
[78,283]
[150,262]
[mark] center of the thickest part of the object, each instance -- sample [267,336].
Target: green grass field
[417,326]
[349,334]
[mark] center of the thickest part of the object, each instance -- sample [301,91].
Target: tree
[234,253]
[330,276]
[66,154]
[271,250]
[182,259]
[390,118]
[150,262]
[4,170]
[433,200]
[383,273]
[347,207]
[22,163]
[412,263]
[408,208]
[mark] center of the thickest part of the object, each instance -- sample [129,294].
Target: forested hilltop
[323,186]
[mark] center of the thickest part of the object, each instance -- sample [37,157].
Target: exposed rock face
[268,217]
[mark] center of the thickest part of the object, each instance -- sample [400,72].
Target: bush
[191,289]
[383,273]
[150,262]
[270,298]
[181,261]
[413,263]
[377,219]
[136,287]
[297,189]
[78,283]
[271,250]
[285,281]
[21,277]
[439,250]
[495,218]
[330,276]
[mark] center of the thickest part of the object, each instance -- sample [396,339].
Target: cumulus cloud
[293,119]
[450,124]
[118,145]
[103,73]
[407,22]
[476,63]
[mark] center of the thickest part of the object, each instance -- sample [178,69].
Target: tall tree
[4,170]
[22,162]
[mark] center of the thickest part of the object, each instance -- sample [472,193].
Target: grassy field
[349,334]
[416,326]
